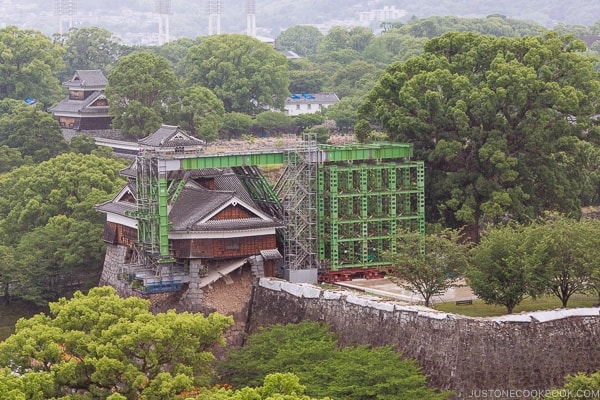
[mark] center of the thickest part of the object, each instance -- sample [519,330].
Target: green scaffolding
[342,205]
[362,206]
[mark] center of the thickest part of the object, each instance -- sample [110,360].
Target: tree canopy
[29,65]
[89,48]
[428,265]
[301,39]
[30,130]
[246,74]
[501,122]
[309,351]
[140,88]
[96,345]
[47,219]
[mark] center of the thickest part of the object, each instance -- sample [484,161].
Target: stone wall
[229,295]
[532,351]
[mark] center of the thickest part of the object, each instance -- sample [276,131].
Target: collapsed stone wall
[228,296]
[532,351]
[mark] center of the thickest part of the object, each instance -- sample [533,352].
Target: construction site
[188,218]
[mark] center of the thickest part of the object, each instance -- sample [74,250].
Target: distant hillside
[136,22]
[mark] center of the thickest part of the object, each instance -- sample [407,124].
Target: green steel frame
[356,197]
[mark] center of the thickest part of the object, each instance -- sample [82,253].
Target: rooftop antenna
[163,9]
[251,17]
[65,9]
[214,7]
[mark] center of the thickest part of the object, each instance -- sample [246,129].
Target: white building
[309,103]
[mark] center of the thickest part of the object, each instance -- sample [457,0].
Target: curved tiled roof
[170,136]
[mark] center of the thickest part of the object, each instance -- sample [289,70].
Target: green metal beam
[325,154]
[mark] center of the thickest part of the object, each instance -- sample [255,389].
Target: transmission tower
[214,8]
[251,17]
[163,9]
[65,9]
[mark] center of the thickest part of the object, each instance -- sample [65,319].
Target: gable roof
[87,78]
[196,206]
[71,106]
[170,136]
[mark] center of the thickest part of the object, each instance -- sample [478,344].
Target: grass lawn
[11,313]
[480,309]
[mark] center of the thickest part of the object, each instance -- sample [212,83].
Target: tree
[31,131]
[11,158]
[200,112]
[428,265]
[310,351]
[272,121]
[140,88]
[305,76]
[247,75]
[338,38]
[566,253]
[393,46]
[301,39]
[498,120]
[354,79]
[500,271]
[580,386]
[89,48]
[29,63]
[175,51]
[99,344]
[235,124]
[47,219]
[54,255]
[8,271]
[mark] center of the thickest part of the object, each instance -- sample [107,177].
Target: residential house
[309,103]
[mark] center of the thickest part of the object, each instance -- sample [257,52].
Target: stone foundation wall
[531,351]
[228,296]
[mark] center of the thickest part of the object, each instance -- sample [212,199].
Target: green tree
[140,88]
[305,76]
[175,51]
[8,270]
[69,185]
[53,256]
[500,271]
[338,38]
[580,386]
[89,48]
[354,79]
[310,351]
[47,218]
[566,253]
[301,39]
[235,124]
[428,265]
[498,120]
[31,131]
[29,63]
[305,121]
[99,344]
[200,112]
[11,158]
[272,122]
[344,113]
[393,46]
[246,74]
